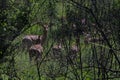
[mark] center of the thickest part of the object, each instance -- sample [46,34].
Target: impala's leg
[38,56]
[30,57]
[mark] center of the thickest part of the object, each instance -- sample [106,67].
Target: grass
[49,69]
[27,71]
[53,68]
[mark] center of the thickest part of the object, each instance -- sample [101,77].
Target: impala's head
[45,27]
[74,48]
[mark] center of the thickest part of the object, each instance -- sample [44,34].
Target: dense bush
[68,21]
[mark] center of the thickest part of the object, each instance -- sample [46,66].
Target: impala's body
[96,40]
[89,39]
[57,50]
[35,52]
[30,40]
[73,52]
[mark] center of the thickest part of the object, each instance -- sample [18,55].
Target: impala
[88,38]
[30,40]
[57,50]
[72,52]
[35,44]
[35,52]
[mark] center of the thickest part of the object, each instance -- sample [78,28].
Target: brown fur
[73,52]
[57,50]
[35,52]
[88,38]
[30,40]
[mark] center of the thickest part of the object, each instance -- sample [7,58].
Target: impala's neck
[44,36]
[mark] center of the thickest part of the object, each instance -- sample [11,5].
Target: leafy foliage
[68,21]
